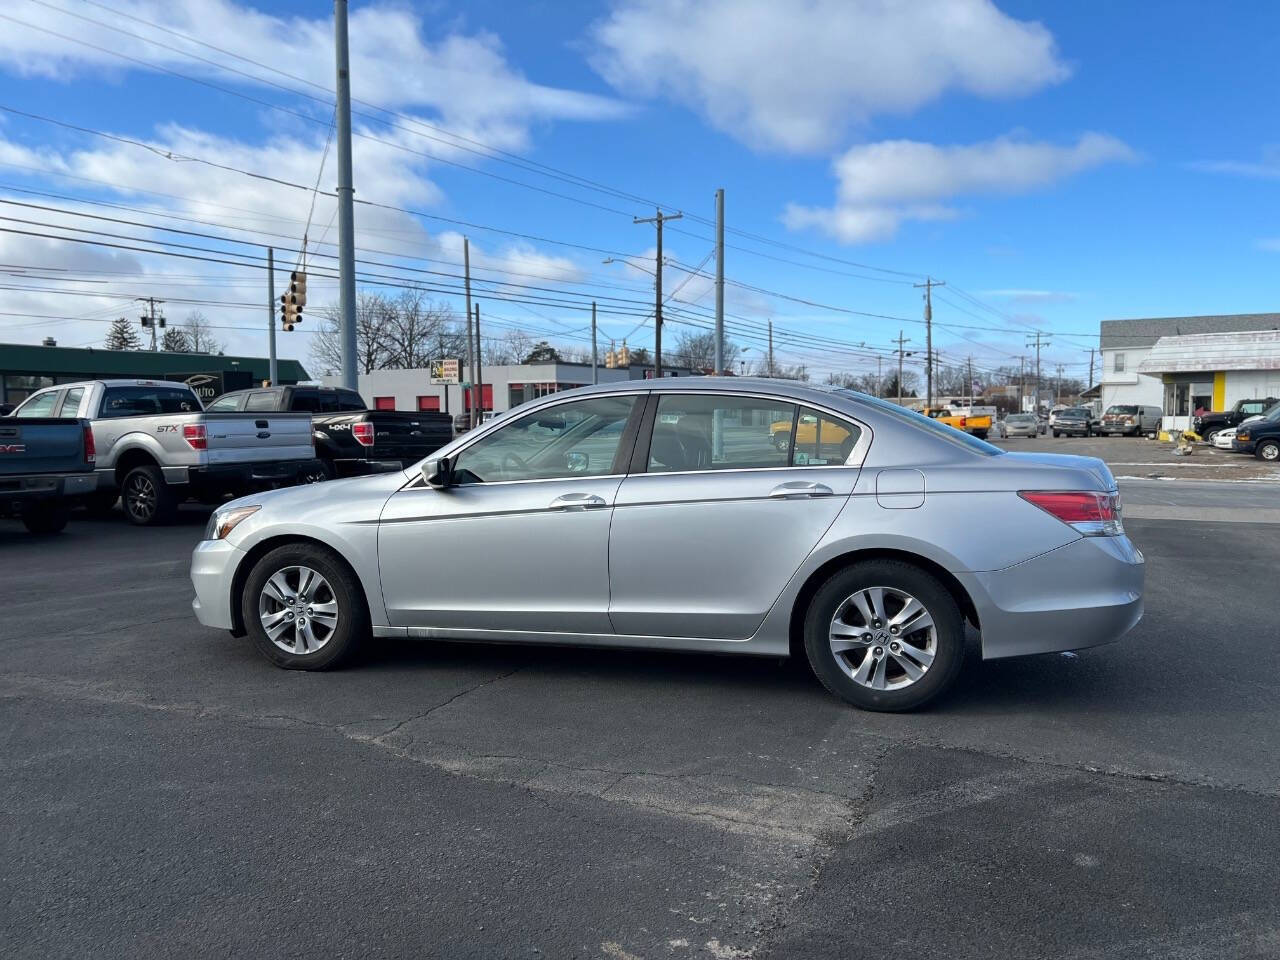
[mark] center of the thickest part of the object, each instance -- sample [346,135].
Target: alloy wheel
[140,497]
[883,638]
[298,610]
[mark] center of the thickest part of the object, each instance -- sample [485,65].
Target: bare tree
[199,334]
[372,318]
[511,348]
[698,350]
[417,330]
[122,336]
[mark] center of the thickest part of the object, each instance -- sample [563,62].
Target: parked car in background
[1074,422]
[973,420]
[671,519]
[1225,439]
[1208,424]
[350,438]
[1133,420]
[1022,425]
[1056,409]
[1261,437]
[46,462]
[156,445]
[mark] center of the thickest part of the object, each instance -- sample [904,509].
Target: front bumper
[213,568]
[1244,446]
[1083,594]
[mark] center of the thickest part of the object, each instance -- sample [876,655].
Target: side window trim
[640,455]
[66,395]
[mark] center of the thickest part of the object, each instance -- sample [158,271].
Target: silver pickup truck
[156,446]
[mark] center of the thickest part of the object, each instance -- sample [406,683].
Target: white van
[1131,419]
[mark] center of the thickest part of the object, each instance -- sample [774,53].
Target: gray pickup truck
[45,462]
[156,445]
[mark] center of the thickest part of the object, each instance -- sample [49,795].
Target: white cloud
[1268,168]
[883,184]
[1269,244]
[799,75]
[1033,296]
[463,81]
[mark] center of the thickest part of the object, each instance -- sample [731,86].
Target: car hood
[302,499]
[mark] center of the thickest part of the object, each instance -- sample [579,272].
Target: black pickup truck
[1208,424]
[45,463]
[350,438]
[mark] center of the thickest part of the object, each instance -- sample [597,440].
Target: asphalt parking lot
[165,792]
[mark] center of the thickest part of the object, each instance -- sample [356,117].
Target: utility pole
[719,361]
[471,360]
[879,375]
[1092,351]
[595,372]
[346,211]
[1038,341]
[659,219]
[901,341]
[1022,381]
[271,317]
[477,388]
[1057,393]
[971,379]
[929,284]
[150,319]
[771,348]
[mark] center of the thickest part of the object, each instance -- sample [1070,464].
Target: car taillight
[90,451]
[195,435]
[363,432]
[1090,513]
[964,422]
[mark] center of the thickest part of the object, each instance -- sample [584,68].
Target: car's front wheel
[303,608]
[884,635]
[1268,450]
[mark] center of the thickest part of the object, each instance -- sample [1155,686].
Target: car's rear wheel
[1268,450]
[884,635]
[303,608]
[148,500]
[48,517]
[1208,437]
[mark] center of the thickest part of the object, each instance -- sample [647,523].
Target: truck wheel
[48,517]
[317,474]
[148,500]
[303,609]
[1056,433]
[884,635]
[1268,450]
[980,434]
[1208,437]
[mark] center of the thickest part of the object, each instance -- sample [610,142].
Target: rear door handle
[799,490]
[577,501]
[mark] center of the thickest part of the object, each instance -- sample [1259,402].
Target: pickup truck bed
[45,462]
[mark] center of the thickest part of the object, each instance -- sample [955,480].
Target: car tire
[1057,433]
[46,518]
[1208,437]
[980,434]
[883,681]
[318,474]
[303,645]
[1268,450]
[148,500]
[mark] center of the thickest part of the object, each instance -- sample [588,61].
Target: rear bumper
[213,568]
[358,468]
[250,476]
[16,492]
[1083,594]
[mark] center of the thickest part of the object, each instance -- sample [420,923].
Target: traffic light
[608,360]
[293,300]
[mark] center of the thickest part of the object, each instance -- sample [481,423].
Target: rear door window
[261,401]
[714,432]
[38,406]
[71,402]
[147,401]
[227,404]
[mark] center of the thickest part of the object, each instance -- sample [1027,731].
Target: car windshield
[1272,412]
[1021,418]
[1073,413]
[1124,409]
[923,422]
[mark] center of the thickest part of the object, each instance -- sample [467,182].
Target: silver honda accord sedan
[709,514]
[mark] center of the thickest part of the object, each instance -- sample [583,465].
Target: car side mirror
[437,473]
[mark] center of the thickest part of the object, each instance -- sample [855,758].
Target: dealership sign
[446,371]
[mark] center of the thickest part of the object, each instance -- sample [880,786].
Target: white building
[1212,373]
[502,387]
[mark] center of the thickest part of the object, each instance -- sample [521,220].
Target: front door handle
[799,490]
[577,501]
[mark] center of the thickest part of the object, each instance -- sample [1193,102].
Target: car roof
[117,383]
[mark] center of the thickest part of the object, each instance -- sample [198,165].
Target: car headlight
[222,522]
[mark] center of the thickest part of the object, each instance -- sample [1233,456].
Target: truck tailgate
[41,445]
[257,437]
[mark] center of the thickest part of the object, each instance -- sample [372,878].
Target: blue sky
[1054,164]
